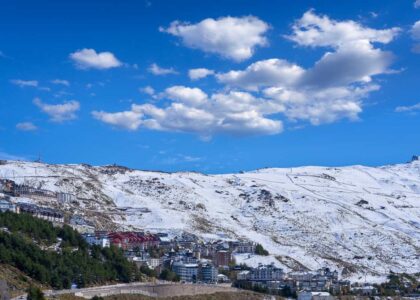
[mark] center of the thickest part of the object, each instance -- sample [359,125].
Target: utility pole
[38,160]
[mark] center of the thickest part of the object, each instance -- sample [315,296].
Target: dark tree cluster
[76,263]
[259,249]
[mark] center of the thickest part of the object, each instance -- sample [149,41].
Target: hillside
[364,221]
[56,256]
[16,280]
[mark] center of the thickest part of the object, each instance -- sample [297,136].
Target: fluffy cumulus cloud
[90,59]
[199,73]
[26,126]
[319,106]
[270,72]
[334,87]
[348,65]
[258,99]
[354,59]
[191,96]
[191,110]
[59,112]
[156,70]
[129,120]
[232,38]
[315,31]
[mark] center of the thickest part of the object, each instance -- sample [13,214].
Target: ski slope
[364,221]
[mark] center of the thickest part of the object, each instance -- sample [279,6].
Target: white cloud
[348,65]
[90,59]
[129,120]
[25,83]
[60,82]
[147,90]
[156,70]
[202,115]
[59,112]
[199,73]
[321,106]
[26,126]
[415,31]
[193,96]
[415,35]
[355,58]
[412,108]
[417,4]
[314,30]
[232,38]
[263,73]
[334,88]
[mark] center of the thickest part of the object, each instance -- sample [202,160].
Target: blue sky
[219,86]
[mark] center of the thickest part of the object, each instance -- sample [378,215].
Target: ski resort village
[309,232]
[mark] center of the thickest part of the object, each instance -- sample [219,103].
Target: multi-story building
[244,247]
[97,239]
[6,205]
[333,275]
[266,273]
[45,213]
[262,273]
[321,280]
[35,193]
[305,295]
[133,240]
[222,258]
[65,198]
[81,225]
[243,275]
[208,273]
[186,272]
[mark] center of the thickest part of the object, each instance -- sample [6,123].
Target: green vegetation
[399,284]
[247,285]
[259,249]
[35,293]
[148,271]
[38,230]
[156,252]
[75,262]
[168,275]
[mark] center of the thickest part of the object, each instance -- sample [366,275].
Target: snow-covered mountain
[364,221]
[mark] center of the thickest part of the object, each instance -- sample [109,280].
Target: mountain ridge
[360,220]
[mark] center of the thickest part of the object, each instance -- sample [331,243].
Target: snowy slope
[363,220]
